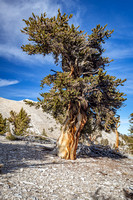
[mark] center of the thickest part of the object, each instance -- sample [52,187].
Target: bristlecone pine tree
[2,125]
[81,91]
[20,122]
[131,123]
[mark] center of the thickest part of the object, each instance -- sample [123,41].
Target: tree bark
[74,123]
[117,135]
[117,139]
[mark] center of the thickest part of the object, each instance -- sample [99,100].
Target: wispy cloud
[124,125]
[124,68]
[11,15]
[11,23]
[20,94]
[13,52]
[4,82]
[25,93]
[128,88]
[124,121]
[118,51]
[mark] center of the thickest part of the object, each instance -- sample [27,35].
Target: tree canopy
[81,55]
[82,87]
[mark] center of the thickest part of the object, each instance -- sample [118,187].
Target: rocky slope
[39,119]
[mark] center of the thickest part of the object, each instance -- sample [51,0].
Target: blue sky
[20,74]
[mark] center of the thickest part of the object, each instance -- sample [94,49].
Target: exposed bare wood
[95,72]
[68,140]
[117,135]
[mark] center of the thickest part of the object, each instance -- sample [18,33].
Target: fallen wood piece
[47,148]
[1,166]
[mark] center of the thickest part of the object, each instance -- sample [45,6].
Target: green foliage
[129,141]
[87,130]
[2,125]
[44,132]
[20,121]
[100,91]
[121,143]
[51,129]
[131,123]
[9,136]
[55,35]
[104,142]
[82,80]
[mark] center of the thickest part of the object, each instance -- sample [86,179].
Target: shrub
[129,141]
[20,121]
[44,132]
[2,125]
[9,136]
[105,142]
[51,129]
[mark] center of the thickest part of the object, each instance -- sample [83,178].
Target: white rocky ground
[31,172]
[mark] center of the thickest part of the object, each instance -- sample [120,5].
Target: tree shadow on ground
[97,151]
[14,156]
[128,195]
[98,196]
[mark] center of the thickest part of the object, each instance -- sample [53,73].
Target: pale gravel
[31,173]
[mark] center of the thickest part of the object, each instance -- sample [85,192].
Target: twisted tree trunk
[117,135]
[117,139]
[74,123]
